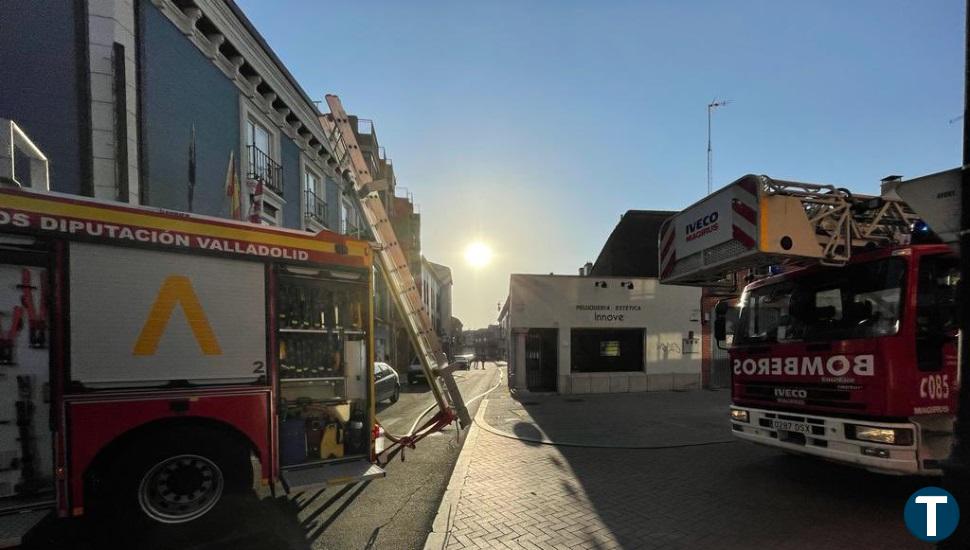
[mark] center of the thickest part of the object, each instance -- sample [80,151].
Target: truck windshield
[856,301]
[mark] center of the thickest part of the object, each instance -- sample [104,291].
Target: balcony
[262,167]
[316,208]
[352,229]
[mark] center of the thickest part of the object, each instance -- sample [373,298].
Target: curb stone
[438,536]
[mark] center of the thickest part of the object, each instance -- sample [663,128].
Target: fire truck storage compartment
[323,356]
[26,446]
[150,318]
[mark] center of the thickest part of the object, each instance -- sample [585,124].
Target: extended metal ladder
[394,266]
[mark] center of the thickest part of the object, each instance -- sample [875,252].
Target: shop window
[610,348]
[607,350]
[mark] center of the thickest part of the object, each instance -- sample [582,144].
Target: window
[606,350]
[382,370]
[348,222]
[609,348]
[261,149]
[315,200]
[937,309]
[311,182]
[257,136]
[936,301]
[856,301]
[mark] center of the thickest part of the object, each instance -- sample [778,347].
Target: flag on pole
[192,168]
[232,189]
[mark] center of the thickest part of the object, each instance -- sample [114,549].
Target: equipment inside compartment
[311,433]
[322,343]
[25,437]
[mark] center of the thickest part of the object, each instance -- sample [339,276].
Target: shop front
[584,334]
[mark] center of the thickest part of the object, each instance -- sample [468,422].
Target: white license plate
[789,426]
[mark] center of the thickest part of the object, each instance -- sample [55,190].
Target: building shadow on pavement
[245,523]
[724,495]
[322,514]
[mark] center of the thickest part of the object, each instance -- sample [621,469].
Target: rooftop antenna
[714,104]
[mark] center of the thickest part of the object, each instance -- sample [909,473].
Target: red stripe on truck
[743,238]
[748,185]
[668,242]
[669,265]
[744,211]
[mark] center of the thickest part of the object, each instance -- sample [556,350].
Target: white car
[387,385]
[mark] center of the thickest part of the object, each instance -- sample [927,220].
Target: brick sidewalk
[507,493]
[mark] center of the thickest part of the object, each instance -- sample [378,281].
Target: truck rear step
[326,475]
[15,525]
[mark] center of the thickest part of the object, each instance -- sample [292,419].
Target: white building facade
[587,334]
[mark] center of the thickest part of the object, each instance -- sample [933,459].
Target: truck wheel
[180,488]
[176,477]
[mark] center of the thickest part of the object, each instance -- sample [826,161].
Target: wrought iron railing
[261,166]
[316,208]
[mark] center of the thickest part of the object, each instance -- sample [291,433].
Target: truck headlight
[739,415]
[889,436]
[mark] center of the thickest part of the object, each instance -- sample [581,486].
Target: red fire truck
[153,361]
[844,345]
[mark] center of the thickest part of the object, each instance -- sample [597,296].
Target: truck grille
[838,396]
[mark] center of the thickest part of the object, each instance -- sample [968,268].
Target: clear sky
[533,125]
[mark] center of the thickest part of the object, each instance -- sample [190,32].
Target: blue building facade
[41,87]
[150,102]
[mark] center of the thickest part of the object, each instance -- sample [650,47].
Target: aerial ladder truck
[236,357]
[844,342]
[393,266]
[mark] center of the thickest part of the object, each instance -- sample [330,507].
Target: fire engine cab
[843,344]
[152,362]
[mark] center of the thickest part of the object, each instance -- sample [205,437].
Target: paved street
[509,493]
[394,512]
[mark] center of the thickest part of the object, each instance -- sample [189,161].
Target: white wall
[667,313]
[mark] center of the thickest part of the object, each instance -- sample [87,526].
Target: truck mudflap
[329,474]
[826,438]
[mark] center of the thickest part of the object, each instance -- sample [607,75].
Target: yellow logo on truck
[176,289]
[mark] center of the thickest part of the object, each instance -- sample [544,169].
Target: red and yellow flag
[232,189]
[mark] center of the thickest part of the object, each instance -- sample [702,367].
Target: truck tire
[173,477]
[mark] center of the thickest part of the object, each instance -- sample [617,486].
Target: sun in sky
[478,254]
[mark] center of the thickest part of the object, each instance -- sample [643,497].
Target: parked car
[464,362]
[416,372]
[387,385]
